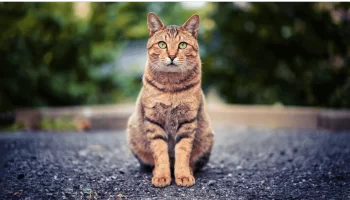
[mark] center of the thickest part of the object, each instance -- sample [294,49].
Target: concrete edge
[111,117]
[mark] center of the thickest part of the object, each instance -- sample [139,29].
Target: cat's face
[172,48]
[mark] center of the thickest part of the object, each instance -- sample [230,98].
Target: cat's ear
[154,23]
[192,25]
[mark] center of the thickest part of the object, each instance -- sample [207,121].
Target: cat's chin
[171,69]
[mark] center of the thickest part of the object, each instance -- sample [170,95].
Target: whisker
[182,70]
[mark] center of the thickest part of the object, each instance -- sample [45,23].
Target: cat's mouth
[172,65]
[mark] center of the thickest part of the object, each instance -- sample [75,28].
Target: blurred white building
[133,57]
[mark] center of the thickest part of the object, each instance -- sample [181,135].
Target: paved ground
[246,164]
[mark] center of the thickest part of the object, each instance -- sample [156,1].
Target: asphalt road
[245,164]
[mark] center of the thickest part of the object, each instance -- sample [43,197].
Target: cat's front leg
[159,147]
[183,148]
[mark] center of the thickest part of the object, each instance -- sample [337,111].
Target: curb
[112,117]
[334,120]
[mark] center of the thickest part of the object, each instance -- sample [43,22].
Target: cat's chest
[176,103]
[170,116]
[171,113]
[167,112]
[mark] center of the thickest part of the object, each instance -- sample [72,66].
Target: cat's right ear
[154,23]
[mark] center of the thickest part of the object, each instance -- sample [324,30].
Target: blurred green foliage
[50,56]
[288,53]
[55,54]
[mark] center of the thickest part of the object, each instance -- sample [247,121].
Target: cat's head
[173,48]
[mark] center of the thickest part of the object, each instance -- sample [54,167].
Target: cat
[170,128]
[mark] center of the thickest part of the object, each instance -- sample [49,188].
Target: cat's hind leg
[202,146]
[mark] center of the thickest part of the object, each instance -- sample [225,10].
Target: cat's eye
[182,45]
[162,44]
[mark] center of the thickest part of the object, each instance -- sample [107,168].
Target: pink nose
[172,57]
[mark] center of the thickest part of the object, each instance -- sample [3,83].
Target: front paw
[186,180]
[161,181]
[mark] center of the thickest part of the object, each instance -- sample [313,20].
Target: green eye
[182,45]
[162,44]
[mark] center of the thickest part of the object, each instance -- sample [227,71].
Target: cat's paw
[161,181]
[186,180]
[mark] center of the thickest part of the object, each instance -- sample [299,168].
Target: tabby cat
[170,127]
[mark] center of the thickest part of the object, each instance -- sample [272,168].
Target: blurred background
[81,53]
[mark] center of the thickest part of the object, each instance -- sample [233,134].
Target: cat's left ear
[192,25]
[154,23]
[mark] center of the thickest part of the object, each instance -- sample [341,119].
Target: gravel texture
[245,164]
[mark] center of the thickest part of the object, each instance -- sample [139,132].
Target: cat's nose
[172,57]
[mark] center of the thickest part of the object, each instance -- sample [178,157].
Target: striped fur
[170,124]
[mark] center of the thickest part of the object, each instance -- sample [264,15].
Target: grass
[50,124]
[57,124]
[17,126]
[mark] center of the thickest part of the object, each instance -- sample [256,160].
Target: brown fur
[170,124]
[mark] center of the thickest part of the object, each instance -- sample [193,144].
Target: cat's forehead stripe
[172,30]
